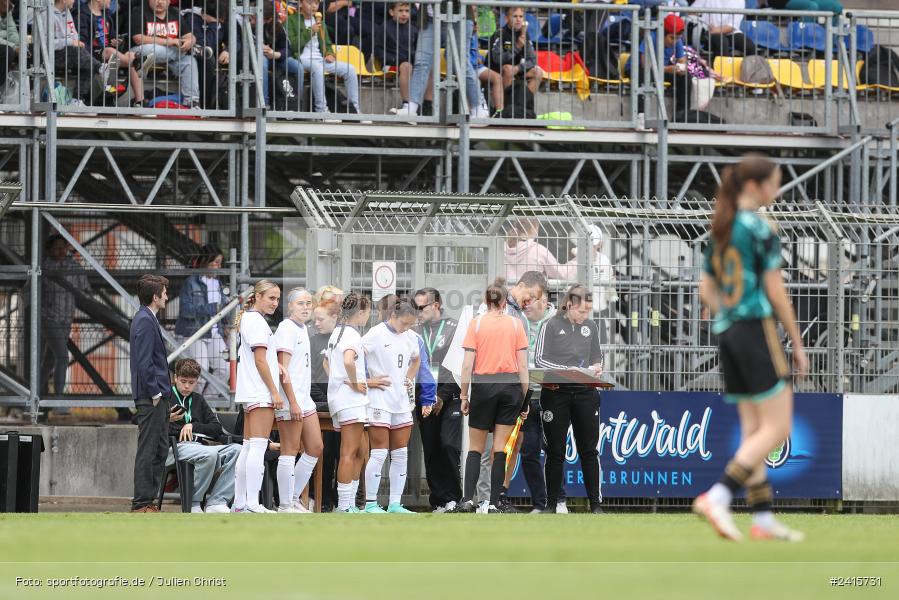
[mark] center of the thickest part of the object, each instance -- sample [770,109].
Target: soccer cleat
[464,507]
[238,509]
[778,531]
[300,509]
[217,509]
[561,508]
[596,509]
[289,509]
[536,511]
[718,516]
[505,506]
[354,510]
[196,509]
[492,510]
[259,509]
[483,507]
[395,508]
[372,508]
[344,510]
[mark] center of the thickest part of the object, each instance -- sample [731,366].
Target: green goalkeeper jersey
[754,248]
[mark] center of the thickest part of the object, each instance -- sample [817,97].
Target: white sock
[240,477]
[720,494]
[373,469]
[398,460]
[195,505]
[302,472]
[413,107]
[763,519]
[285,480]
[355,490]
[255,470]
[345,496]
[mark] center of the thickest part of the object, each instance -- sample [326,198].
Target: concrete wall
[870,453]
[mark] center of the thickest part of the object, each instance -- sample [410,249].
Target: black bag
[601,51]
[519,102]
[697,116]
[880,67]
[336,99]
[286,95]
[801,119]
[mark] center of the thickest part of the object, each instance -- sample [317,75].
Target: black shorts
[752,361]
[494,404]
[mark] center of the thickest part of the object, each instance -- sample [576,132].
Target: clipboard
[571,375]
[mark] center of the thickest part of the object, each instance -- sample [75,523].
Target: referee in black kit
[570,339]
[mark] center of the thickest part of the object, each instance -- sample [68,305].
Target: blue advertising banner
[676,444]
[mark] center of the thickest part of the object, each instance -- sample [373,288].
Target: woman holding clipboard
[570,340]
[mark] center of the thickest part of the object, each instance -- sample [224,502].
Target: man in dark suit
[151,388]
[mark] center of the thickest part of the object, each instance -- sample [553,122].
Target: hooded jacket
[530,255]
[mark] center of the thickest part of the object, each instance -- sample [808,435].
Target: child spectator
[206,22]
[343,20]
[487,76]
[308,36]
[394,45]
[512,54]
[192,422]
[97,29]
[159,33]
[9,39]
[71,54]
[674,61]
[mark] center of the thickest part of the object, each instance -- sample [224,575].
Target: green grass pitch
[441,556]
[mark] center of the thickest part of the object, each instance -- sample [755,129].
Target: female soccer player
[570,339]
[348,394]
[496,366]
[391,351]
[299,419]
[257,390]
[742,285]
[324,320]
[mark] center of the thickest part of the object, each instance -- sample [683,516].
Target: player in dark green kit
[743,286]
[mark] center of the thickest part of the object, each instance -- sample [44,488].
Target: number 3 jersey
[389,353]
[293,339]
[738,269]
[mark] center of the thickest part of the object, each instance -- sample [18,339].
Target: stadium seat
[729,68]
[184,473]
[535,32]
[763,34]
[623,59]
[803,36]
[864,38]
[354,56]
[789,74]
[752,4]
[817,72]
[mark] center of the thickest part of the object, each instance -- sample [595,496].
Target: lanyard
[190,401]
[427,335]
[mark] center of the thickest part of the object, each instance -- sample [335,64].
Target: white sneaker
[483,507]
[448,507]
[536,511]
[405,110]
[641,122]
[562,508]
[299,508]
[718,516]
[196,508]
[217,509]
[289,509]
[259,509]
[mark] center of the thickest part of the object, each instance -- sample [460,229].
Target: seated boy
[97,29]
[394,45]
[312,46]
[491,78]
[512,54]
[191,418]
[72,57]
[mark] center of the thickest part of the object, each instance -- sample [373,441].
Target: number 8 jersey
[738,269]
[389,353]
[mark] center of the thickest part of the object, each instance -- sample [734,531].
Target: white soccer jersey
[293,338]
[389,353]
[254,333]
[340,395]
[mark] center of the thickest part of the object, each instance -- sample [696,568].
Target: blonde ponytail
[262,286]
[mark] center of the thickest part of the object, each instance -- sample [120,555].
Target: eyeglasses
[421,307]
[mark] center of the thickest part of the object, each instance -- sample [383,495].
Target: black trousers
[580,409]
[441,440]
[330,457]
[152,448]
[531,445]
[735,44]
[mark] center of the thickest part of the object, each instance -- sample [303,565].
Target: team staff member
[496,367]
[570,339]
[742,285]
[441,432]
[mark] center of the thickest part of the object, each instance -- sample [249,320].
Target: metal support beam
[118,173]
[162,175]
[78,170]
[34,359]
[202,172]
[524,178]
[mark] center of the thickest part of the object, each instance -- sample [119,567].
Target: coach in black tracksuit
[570,339]
[441,432]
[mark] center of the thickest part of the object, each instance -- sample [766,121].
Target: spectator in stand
[811,5]
[193,423]
[524,253]
[9,39]
[61,278]
[491,78]
[158,32]
[343,20]
[512,54]
[200,299]
[724,35]
[674,62]
[276,56]
[315,52]
[71,56]
[394,45]
[97,30]
[206,21]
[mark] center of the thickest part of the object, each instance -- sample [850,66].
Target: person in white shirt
[348,394]
[298,420]
[724,35]
[257,391]
[391,351]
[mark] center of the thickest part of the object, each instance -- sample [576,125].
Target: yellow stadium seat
[623,59]
[354,56]
[729,68]
[788,74]
[817,71]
